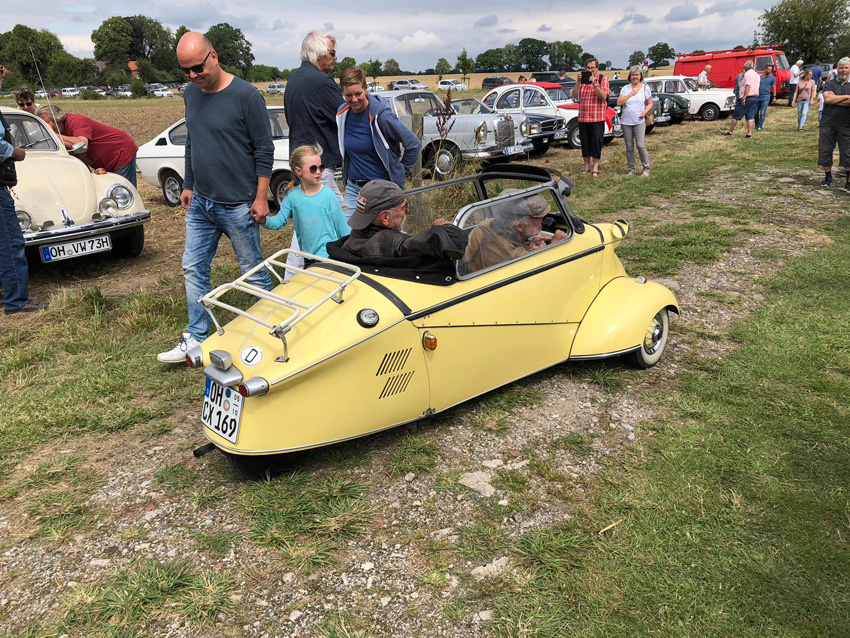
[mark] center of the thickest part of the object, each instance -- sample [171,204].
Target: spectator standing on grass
[806,89]
[105,146]
[817,72]
[14,272]
[315,210]
[767,95]
[593,103]
[796,71]
[372,140]
[635,101]
[835,124]
[616,75]
[702,80]
[228,164]
[25,99]
[746,91]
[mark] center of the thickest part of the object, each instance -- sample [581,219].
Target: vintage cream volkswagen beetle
[345,349]
[65,209]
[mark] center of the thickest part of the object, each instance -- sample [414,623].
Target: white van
[70,92]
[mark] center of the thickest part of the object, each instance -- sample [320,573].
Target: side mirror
[78,149]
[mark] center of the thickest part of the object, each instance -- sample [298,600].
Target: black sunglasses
[332,53]
[198,68]
[316,169]
[25,103]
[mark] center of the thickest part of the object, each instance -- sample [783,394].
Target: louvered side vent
[396,384]
[505,133]
[393,362]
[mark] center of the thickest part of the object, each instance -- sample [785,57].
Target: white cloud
[487,21]
[723,8]
[682,13]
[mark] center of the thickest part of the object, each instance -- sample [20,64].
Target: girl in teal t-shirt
[315,210]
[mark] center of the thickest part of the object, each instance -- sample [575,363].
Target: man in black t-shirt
[835,124]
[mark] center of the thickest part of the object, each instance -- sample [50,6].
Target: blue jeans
[128,172]
[762,111]
[205,222]
[349,200]
[791,93]
[14,272]
[802,112]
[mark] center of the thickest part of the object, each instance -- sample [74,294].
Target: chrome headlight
[481,133]
[24,220]
[108,207]
[666,103]
[524,127]
[535,128]
[122,196]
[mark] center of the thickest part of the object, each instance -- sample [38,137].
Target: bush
[138,89]
[91,95]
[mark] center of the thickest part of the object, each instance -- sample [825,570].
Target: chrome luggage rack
[298,310]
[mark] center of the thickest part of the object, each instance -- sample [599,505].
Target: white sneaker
[178,353]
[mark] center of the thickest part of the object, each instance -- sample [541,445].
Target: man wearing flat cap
[514,231]
[377,223]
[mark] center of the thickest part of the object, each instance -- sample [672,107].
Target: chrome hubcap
[172,189]
[445,160]
[652,339]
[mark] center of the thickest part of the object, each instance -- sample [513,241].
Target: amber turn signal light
[429,341]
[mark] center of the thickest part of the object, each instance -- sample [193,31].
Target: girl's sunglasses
[316,169]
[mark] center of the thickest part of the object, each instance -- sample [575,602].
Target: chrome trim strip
[607,355]
[87,230]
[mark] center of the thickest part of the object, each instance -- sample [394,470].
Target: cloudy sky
[417,34]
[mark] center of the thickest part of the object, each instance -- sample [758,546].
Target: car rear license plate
[222,410]
[513,150]
[559,135]
[71,249]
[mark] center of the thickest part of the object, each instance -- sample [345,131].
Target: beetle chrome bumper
[67,233]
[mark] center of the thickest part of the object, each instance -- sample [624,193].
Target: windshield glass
[30,133]
[280,129]
[557,95]
[470,106]
[782,61]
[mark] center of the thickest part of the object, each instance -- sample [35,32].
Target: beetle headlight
[122,196]
[108,207]
[24,220]
[666,103]
[481,133]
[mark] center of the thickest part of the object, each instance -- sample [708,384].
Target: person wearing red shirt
[106,146]
[592,93]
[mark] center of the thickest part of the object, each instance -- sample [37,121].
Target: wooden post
[417,207]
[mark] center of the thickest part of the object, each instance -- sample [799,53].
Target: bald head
[199,61]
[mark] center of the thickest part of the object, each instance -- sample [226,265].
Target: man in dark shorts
[592,106]
[835,124]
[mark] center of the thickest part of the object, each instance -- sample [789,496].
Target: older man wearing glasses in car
[229,156]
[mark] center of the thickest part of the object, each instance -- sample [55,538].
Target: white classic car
[65,209]
[408,84]
[707,105]
[454,85]
[471,136]
[161,161]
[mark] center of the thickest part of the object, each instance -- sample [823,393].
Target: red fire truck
[726,64]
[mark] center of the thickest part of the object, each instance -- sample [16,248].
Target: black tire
[677,120]
[443,162]
[129,244]
[709,112]
[573,137]
[654,342]
[541,145]
[266,466]
[278,186]
[172,186]
[649,128]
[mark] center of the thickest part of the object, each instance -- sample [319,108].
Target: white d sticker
[251,355]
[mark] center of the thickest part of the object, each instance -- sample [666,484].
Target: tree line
[815,30]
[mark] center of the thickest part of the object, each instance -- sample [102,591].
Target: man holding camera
[592,90]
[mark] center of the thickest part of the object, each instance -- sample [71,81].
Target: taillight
[255,387]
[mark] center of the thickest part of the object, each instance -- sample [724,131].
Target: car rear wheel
[172,186]
[709,112]
[129,244]
[654,342]
[443,161]
[573,137]
[261,467]
[279,184]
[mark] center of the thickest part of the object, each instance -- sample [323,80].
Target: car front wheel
[129,244]
[172,186]
[443,161]
[654,342]
[279,185]
[709,112]
[573,136]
